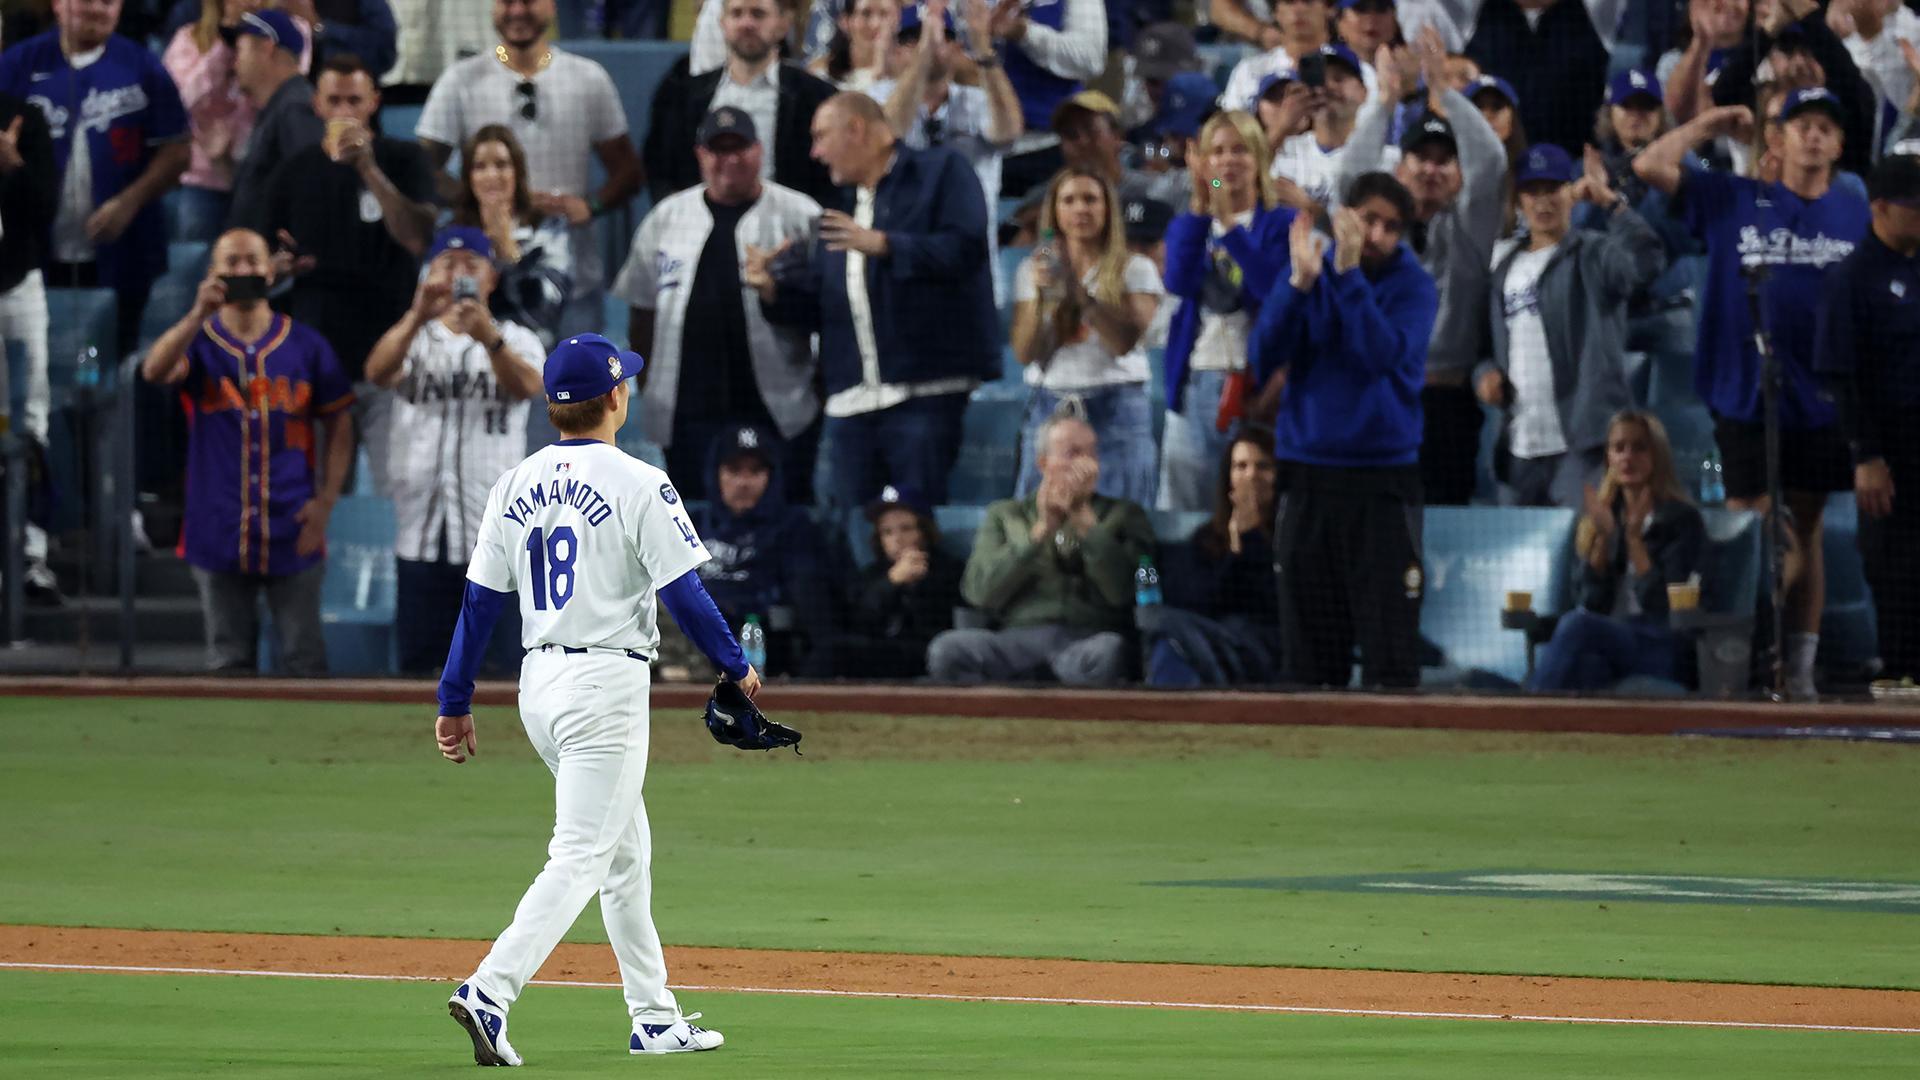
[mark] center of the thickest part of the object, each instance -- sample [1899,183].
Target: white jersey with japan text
[586,535]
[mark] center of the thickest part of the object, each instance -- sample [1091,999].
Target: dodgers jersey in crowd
[1749,224]
[585,534]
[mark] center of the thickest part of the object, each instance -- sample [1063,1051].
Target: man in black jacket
[781,98]
[29,188]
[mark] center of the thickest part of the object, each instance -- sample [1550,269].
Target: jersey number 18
[550,556]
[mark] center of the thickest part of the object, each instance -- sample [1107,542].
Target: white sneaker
[485,1023]
[681,1036]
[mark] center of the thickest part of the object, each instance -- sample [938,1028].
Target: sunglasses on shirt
[529,106]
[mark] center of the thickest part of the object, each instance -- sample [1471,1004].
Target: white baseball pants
[586,715]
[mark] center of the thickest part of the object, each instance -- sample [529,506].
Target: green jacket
[1087,585]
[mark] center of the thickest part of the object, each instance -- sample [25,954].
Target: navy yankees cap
[1546,162]
[1634,84]
[724,122]
[1496,84]
[587,366]
[460,238]
[276,26]
[1145,220]
[1813,97]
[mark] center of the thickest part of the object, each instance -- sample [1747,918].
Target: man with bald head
[902,297]
[257,385]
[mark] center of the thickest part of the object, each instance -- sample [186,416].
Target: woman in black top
[899,603]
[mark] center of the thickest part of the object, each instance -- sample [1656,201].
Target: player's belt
[571,651]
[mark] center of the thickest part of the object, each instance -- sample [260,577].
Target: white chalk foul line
[1308,1010]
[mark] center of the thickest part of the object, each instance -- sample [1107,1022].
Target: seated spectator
[251,377]
[780,96]
[29,192]
[1803,53]
[1220,625]
[1714,31]
[1554,53]
[714,361]
[460,384]
[1223,256]
[1054,571]
[1559,318]
[1366,25]
[533,248]
[768,559]
[862,41]
[266,66]
[1640,533]
[905,313]
[897,605]
[1081,304]
[219,114]
[1311,158]
[1348,333]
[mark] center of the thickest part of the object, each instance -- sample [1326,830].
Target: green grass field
[1014,838]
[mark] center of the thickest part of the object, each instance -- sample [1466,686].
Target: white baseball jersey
[586,535]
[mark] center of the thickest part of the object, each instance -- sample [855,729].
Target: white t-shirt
[70,240]
[1534,431]
[1086,363]
[586,535]
[452,433]
[1302,160]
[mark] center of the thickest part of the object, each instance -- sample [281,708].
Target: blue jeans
[1191,451]
[912,445]
[1120,417]
[1590,651]
[200,213]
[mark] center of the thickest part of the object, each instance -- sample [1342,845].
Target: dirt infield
[977,978]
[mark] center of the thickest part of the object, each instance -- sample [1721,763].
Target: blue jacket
[1355,350]
[1261,254]
[770,556]
[931,295]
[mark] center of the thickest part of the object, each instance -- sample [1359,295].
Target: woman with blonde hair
[1082,302]
[1640,533]
[532,251]
[1223,256]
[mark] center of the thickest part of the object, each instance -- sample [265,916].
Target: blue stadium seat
[79,319]
[357,594]
[1669,381]
[958,526]
[989,458]
[1690,430]
[397,121]
[173,292]
[1474,557]
[1849,632]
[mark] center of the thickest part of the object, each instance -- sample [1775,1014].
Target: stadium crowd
[1275,267]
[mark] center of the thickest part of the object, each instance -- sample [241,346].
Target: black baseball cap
[724,122]
[1145,220]
[1896,179]
[1164,50]
[1430,129]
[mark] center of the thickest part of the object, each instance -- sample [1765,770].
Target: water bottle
[86,368]
[753,643]
[1050,251]
[1146,584]
[1713,484]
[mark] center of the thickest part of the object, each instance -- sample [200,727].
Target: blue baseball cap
[460,238]
[1371,5]
[1496,84]
[898,498]
[587,366]
[276,26]
[1185,102]
[1813,97]
[1338,53]
[1546,162]
[1268,82]
[912,18]
[1633,85]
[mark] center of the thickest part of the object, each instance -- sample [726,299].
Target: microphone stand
[1775,551]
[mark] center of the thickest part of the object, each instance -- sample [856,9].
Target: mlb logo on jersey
[565,466]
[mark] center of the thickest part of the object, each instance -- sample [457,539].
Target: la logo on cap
[1637,79]
[890,494]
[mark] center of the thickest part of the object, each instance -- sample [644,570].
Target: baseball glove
[736,721]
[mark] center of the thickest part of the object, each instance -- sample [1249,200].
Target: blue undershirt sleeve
[687,600]
[479,610]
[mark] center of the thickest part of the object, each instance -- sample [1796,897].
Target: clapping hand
[757,273]
[1430,49]
[1009,21]
[1599,512]
[1873,487]
[1307,248]
[1349,239]
[1594,185]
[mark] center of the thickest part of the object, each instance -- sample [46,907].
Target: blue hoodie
[772,554]
[1355,350]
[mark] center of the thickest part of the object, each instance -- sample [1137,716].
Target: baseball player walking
[586,536]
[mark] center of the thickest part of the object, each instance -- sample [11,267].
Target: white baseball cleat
[486,1023]
[681,1036]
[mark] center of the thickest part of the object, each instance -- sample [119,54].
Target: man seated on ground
[1055,572]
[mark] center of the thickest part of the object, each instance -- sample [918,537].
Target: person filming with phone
[270,444]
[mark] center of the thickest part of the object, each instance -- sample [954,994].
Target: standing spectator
[29,191]
[900,603]
[1082,303]
[1715,30]
[1299,29]
[780,97]
[356,209]
[1877,34]
[1554,53]
[1660,316]
[1499,104]
[460,384]
[218,113]
[714,361]
[1793,230]
[256,519]
[1803,53]
[927,108]
[862,42]
[362,28]
[433,36]
[1055,571]
[1161,53]
[1349,332]
[767,554]
[1051,50]
[1640,533]
[565,112]
[534,250]
[109,230]
[266,66]
[1220,625]
[1456,170]
[1366,25]
[1311,159]
[905,312]
[1223,256]
[1559,317]
[1869,352]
